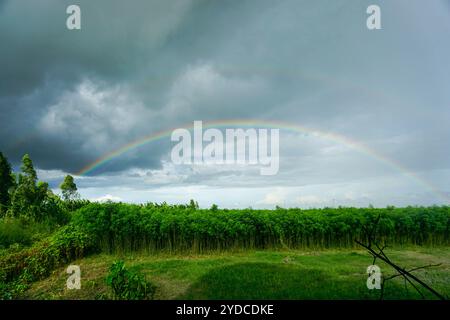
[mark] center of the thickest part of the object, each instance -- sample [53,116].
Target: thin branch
[400,270]
[414,269]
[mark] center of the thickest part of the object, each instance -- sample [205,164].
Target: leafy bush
[18,269]
[128,285]
[72,205]
[21,232]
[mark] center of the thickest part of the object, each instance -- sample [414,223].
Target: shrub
[22,232]
[128,285]
[18,269]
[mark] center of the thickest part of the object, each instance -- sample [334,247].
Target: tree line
[23,195]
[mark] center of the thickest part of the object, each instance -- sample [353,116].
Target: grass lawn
[286,274]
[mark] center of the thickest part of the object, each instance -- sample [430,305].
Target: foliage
[29,195]
[69,188]
[32,199]
[126,227]
[75,204]
[6,183]
[18,269]
[16,232]
[119,227]
[128,285]
[193,204]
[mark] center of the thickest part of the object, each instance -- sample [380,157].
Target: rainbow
[351,143]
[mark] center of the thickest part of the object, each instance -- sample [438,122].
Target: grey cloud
[153,65]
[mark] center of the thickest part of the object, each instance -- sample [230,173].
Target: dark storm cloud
[116,40]
[44,66]
[70,97]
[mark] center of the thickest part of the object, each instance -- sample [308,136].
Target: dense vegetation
[118,227]
[126,227]
[39,231]
[35,234]
[128,285]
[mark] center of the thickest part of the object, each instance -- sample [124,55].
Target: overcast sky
[136,67]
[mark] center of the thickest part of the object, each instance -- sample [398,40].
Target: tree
[28,169]
[193,204]
[28,196]
[6,182]
[69,188]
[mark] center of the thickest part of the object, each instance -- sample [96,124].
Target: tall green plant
[6,183]
[128,285]
[32,199]
[125,227]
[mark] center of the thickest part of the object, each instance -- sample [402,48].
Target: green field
[190,253]
[254,274]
